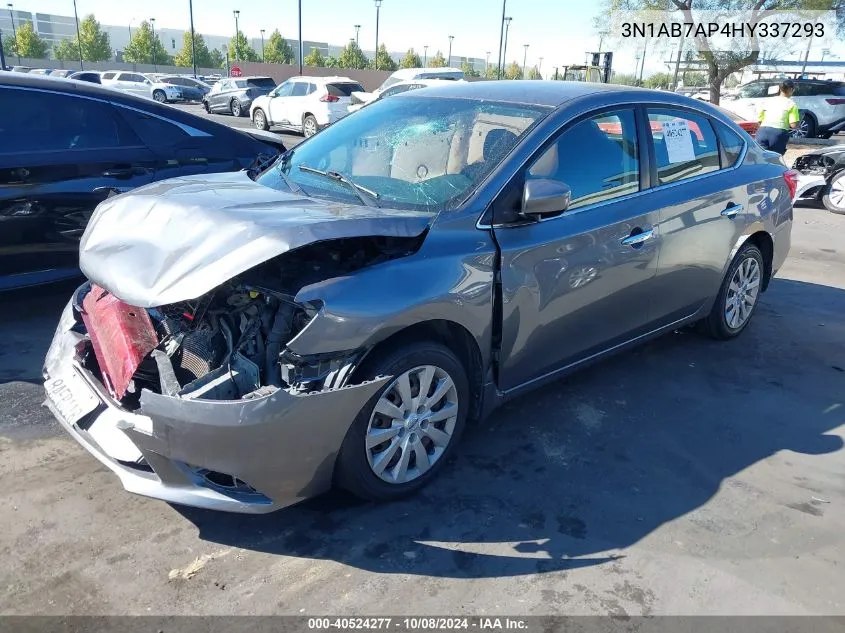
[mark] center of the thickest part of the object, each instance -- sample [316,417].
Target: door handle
[731,210]
[638,238]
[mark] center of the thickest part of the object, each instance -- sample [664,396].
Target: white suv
[307,104]
[820,102]
[126,81]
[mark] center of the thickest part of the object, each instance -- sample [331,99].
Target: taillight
[835,101]
[329,98]
[791,178]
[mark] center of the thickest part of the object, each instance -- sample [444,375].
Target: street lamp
[524,59]
[193,37]
[237,14]
[262,46]
[300,35]
[505,48]
[357,29]
[425,61]
[501,37]
[540,68]
[378,8]
[642,67]
[449,62]
[153,26]
[486,63]
[130,28]
[14,32]
[78,39]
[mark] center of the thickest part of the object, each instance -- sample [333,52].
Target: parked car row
[69,145]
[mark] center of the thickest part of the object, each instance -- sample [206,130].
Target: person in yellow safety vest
[778,116]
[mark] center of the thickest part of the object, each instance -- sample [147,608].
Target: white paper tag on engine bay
[678,141]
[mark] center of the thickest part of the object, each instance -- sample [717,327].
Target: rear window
[261,82]
[343,89]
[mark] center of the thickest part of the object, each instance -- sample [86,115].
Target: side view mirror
[544,196]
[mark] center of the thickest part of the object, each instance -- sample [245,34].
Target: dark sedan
[234,96]
[244,343]
[68,145]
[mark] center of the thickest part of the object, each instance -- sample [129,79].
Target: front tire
[806,127]
[309,126]
[207,107]
[236,108]
[404,435]
[159,96]
[260,120]
[738,296]
[833,196]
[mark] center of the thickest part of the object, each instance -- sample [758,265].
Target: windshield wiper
[367,196]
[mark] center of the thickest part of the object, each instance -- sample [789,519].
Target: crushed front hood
[177,239]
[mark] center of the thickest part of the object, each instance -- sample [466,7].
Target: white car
[395,89]
[307,104]
[821,103]
[405,75]
[127,81]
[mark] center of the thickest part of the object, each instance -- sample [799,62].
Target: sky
[559,31]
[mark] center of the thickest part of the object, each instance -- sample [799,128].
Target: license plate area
[71,395]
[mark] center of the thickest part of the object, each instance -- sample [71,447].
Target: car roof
[534,92]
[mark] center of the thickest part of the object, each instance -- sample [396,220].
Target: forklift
[596,70]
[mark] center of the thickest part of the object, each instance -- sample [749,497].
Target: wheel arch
[764,241]
[452,335]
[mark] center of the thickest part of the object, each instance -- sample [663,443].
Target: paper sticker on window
[678,141]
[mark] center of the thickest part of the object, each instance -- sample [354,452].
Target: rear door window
[108,75]
[153,131]
[684,145]
[265,83]
[731,143]
[300,89]
[343,89]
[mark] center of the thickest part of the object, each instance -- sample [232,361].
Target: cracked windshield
[422,154]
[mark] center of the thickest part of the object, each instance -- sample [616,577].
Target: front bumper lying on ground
[252,455]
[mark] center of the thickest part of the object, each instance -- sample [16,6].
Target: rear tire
[416,439]
[259,119]
[159,96]
[833,195]
[806,127]
[207,107]
[309,126]
[738,297]
[235,108]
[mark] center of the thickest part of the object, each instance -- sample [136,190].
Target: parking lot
[686,477]
[288,138]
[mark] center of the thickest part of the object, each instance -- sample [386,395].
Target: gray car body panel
[507,286]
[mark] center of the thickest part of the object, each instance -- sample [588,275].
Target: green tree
[492,72]
[96,45]
[438,61]
[26,43]
[145,48]
[534,73]
[332,62]
[624,79]
[469,70]
[658,80]
[216,59]
[695,80]
[383,60]
[722,60]
[240,50]
[278,50]
[353,57]
[411,60]
[513,71]
[185,56]
[314,58]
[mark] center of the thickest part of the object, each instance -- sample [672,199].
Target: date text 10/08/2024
[418,623]
[725,29]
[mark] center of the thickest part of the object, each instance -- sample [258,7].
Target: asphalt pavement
[288,138]
[685,477]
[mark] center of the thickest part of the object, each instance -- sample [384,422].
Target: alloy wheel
[742,293]
[836,192]
[412,424]
[236,108]
[258,119]
[309,127]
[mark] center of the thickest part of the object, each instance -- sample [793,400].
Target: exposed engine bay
[230,343]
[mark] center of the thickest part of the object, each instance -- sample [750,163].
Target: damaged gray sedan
[245,343]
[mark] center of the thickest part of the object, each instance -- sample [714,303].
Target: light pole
[449,59]
[540,68]
[78,39]
[300,36]
[378,8]
[505,49]
[357,29]
[501,38]
[193,37]
[425,61]
[237,14]
[130,28]
[2,55]
[262,47]
[524,59]
[642,66]
[14,32]
[486,63]
[825,51]
[153,26]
